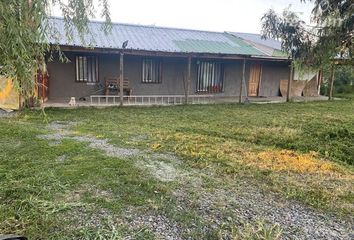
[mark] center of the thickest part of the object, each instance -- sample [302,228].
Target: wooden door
[42,86]
[254,80]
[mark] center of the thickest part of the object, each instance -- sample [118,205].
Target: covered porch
[172,78]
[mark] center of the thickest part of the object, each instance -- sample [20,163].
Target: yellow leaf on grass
[155,146]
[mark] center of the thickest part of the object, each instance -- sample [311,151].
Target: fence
[113,100]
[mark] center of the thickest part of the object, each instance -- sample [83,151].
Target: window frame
[91,66]
[158,65]
[216,85]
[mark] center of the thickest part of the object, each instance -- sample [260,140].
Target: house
[169,65]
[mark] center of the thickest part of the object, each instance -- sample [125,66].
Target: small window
[87,69]
[151,71]
[210,77]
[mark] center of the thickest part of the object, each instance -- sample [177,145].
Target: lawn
[223,171]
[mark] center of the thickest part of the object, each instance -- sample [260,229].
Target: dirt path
[232,204]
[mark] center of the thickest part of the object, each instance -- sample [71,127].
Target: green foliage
[318,45]
[344,84]
[290,29]
[24,30]
[344,80]
[335,22]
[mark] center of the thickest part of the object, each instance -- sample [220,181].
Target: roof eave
[156,53]
[75,48]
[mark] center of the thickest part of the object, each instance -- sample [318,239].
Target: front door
[42,85]
[254,80]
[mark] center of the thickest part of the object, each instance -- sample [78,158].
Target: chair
[112,85]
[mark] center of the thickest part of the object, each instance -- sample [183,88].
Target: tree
[335,25]
[24,30]
[296,40]
[344,83]
[317,46]
[335,30]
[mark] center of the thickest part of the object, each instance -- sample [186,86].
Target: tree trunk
[320,81]
[330,93]
[290,81]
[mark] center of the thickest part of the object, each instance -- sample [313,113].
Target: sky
[210,15]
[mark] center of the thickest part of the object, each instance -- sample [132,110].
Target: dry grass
[291,161]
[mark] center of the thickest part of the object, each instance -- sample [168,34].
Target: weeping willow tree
[25,29]
[329,40]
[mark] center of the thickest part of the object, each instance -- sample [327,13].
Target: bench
[112,85]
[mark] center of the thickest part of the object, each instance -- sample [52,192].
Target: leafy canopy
[331,37]
[24,29]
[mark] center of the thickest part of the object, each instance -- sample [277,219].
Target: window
[210,77]
[151,71]
[87,69]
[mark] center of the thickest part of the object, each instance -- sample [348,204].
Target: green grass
[38,192]
[344,95]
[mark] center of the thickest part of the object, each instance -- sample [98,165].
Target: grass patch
[303,151]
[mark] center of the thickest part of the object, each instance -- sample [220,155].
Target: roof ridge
[146,26]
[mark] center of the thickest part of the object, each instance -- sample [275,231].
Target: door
[42,86]
[254,80]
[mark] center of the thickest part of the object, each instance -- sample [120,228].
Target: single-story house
[159,62]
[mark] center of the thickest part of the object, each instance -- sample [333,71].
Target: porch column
[188,79]
[242,80]
[260,81]
[291,76]
[121,76]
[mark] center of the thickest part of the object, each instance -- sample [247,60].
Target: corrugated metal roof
[270,47]
[153,38]
[257,38]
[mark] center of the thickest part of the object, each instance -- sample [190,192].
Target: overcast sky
[213,15]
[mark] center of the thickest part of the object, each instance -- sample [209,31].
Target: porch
[93,79]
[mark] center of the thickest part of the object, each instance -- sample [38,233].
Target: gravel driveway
[234,204]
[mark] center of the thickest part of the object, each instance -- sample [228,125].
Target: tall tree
[24,31]
[335,25]
[296,40]
[335,30]
[316,46]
